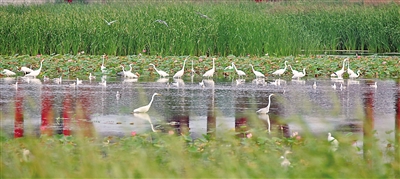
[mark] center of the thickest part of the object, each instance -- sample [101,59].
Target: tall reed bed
[237,28]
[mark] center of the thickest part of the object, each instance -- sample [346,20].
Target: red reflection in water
[82,114]
[368,124]
[66,114]
[19,115]
[47,112]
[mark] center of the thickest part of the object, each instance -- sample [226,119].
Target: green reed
[237,28]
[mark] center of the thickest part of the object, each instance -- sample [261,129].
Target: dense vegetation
[222,28]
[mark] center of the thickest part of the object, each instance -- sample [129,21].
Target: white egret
[179,74]
[239,72]
[280,71]
[91,77]
[161,22]
[26,70]
[354,75]
[109,23]
[35,73]
[300,74]
[8,72]
[334,143]
[210,73]
[192,70]
[129,73]
[123,71]
[103,68]
[265,117]
[293,71]
[340,72]
[160,72]
[285,162]
[266,109]
[78,81]
[146,108]
[349,71]
[257,73]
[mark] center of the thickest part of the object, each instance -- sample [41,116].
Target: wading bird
[340,72]
[280,71]
[349,71]
[78,81]
[129,73]
[109,23]
[239,72]
[192,70]
[35,73]
[8,72]
[293,71]
[179,74]
[334,143]
[210,73]
[300,74]
[285,162]
[26,70]
[91,77]
[146,108]
[257,73]
[266,109]
[160,72]
[103,68]
[355,75]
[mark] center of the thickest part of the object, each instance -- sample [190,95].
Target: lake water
[36,107]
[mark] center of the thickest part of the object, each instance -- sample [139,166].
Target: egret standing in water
[257,73]
[35,73]
[26,70]
[333,141]
[146,108]
[8,72]
[239,72]
[266,109]
[210,73]
[160,72]
[300,74]
[280,71]
[285,162]
[103,68]
[354,75]
[340,72]
[179,74]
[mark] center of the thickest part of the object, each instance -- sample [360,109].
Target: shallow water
[40,107]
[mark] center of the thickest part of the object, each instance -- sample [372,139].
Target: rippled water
[187,107]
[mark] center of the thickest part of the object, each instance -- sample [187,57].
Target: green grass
[238,28]
[157,155]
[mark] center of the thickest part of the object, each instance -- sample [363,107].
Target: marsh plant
[199,28]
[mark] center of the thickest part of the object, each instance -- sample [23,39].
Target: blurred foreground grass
[225,155]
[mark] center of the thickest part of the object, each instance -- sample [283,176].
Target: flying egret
[35,73]
[266,109]
[280,71]
[109,23]
[285,162]
[239,72]
[354,75]
[300,74]
[8,72]
[257,73]
[103,68]
[160,72]
[293,71]
[210,73]
[26,70]
[179,74]
[340,72]
[146,108]
[161,22]
[334,143]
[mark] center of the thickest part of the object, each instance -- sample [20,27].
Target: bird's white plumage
[35,73]
[179,74]
[340,72]
[8,72]
[146,108]
[266,109]
[300,74]
[210,73]
[257,73]
[160,72]
[26,70]
[354,75]
[334,143]
[280,71]
[239,72]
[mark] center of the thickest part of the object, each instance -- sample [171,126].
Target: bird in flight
[109,23]
[161,22]
[203,16]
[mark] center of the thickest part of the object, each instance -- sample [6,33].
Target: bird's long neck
[130,67]
[344,64]
[269,101]
[285,65]
[304,71]
[123,68]
[234,67]
[183,67]
[252,68]
[213,64]
[41,63]
[151,101]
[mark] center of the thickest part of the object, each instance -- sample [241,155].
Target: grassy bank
[73,66]
[156,155]
[221,28]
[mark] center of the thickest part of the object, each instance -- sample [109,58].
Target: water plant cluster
[199,28]
[317,66]
[257,154]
